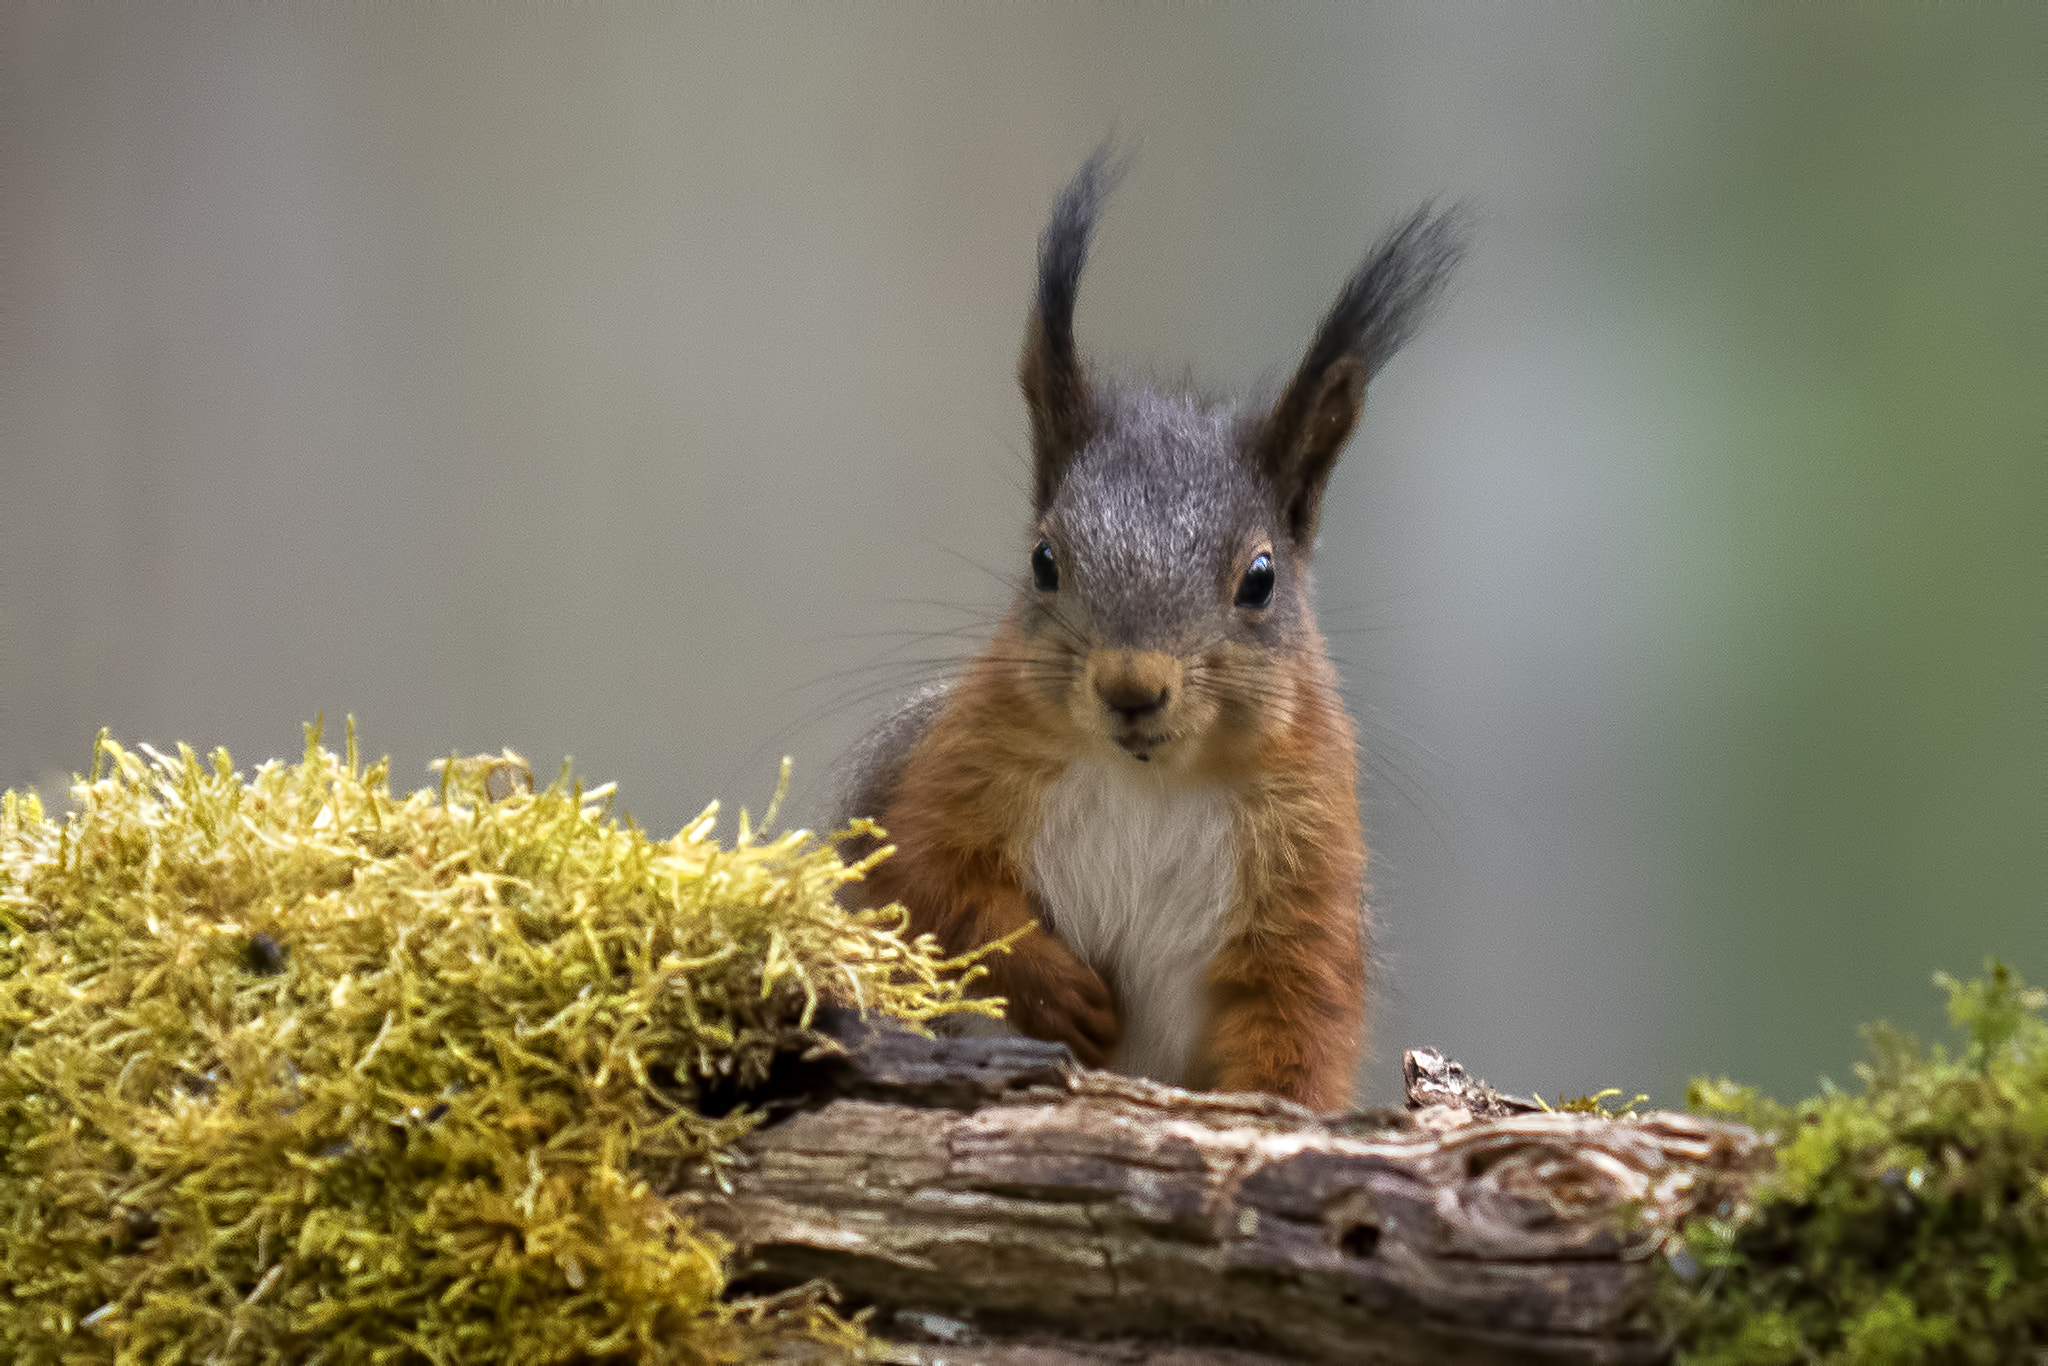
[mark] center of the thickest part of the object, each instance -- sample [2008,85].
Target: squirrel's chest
[1136,874]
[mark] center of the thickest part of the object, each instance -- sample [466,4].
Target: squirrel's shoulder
[866,778]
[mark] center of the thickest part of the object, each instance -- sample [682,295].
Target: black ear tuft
[1379,308]
[1384,302]
[1055,384]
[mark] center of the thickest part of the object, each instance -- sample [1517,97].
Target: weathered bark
[987,1192]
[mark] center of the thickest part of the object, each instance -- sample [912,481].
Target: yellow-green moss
[293,1069]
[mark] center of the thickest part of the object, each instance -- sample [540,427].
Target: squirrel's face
[1165,611]
[1161,595]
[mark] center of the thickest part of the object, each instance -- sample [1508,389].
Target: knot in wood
[1549,1188]
[1352,1223]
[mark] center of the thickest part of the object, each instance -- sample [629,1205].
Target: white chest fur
[1136,873]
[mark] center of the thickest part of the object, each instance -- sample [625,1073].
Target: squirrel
[1151,758]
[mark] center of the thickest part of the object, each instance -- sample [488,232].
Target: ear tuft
[1055,384]
[1379,308]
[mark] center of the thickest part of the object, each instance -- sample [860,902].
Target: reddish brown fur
[1287,1010]
[961,818]
[1288,984]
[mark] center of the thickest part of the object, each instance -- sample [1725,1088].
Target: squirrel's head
[1164,608]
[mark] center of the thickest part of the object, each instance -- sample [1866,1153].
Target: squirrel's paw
[1075,1008]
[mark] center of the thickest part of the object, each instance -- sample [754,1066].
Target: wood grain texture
[1030,1204]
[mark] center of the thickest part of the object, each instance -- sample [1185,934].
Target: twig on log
[991,1191]
[1432,1080]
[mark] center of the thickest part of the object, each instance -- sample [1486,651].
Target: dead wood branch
[983,1189]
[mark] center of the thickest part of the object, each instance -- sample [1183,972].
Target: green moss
[1605,1102]
[1905,1225]
[292,1069]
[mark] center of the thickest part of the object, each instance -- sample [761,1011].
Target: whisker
[941,604]
[1435,816]
[881,666]
[1004,579]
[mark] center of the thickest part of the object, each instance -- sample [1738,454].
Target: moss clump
[292,1069]
[1905,1225]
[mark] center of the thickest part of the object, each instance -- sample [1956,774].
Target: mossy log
[1003,1205]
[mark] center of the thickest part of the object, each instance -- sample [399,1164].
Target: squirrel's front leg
[971,901]
[1053,995]
[1287,1004]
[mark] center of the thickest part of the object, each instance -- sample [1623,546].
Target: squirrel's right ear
[1055,383]
[1378,309]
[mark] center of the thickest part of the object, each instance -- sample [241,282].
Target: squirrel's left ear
[1378,309]
[1055,382]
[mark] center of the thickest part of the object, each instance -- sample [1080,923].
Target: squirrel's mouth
[1139,745]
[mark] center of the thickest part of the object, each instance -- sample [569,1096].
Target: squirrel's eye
[1256,589]
[1045,570]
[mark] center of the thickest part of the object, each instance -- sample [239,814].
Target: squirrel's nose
[1134,684]
[1129,698]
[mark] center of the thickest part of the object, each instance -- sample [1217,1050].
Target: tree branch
[986,1190]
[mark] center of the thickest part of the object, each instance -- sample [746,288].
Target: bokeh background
[635,384]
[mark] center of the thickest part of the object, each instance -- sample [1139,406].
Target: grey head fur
[1155,503]
[1151,522]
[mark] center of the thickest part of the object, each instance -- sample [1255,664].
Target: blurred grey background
[636,384]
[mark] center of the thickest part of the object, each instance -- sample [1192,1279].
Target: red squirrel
[1151,759]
